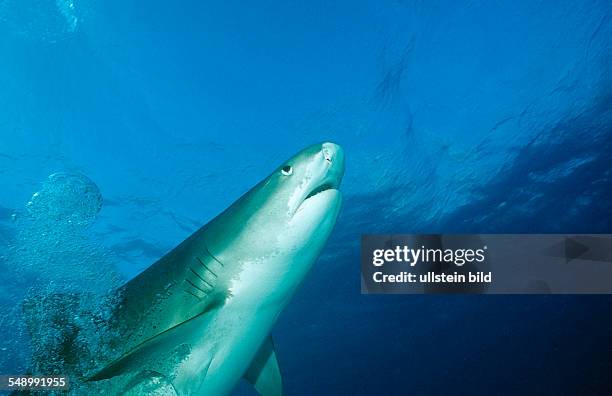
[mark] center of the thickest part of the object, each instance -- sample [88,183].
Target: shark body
[199,319]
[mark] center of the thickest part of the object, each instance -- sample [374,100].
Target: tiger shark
[199,319]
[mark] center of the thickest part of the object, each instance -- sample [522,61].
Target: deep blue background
[455,117]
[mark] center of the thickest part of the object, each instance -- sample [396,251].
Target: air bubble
[66,198]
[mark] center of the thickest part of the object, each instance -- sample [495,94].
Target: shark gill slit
[205,266]
[195,287]
[202,279]
[188,291]
[210,254]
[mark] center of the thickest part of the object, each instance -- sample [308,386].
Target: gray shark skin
[199,319]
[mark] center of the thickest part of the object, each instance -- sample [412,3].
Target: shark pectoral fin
[264,373]
[177,340]
[137,358]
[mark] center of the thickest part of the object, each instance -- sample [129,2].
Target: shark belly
[222,351]
[233,337]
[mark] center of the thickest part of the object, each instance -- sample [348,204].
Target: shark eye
[287,170]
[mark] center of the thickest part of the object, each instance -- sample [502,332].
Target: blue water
[454,116]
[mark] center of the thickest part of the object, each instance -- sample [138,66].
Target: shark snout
[319,169]
[333,155]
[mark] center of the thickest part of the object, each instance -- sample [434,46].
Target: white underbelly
[223,350]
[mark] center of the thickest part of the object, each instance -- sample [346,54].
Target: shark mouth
[319,195]
[320,189]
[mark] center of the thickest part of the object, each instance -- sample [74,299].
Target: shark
[199,319]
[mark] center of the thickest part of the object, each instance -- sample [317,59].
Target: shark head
[280,226]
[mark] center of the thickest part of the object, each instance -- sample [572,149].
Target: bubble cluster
[66,198]
[59,281]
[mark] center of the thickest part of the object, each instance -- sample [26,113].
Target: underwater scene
[127,126]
